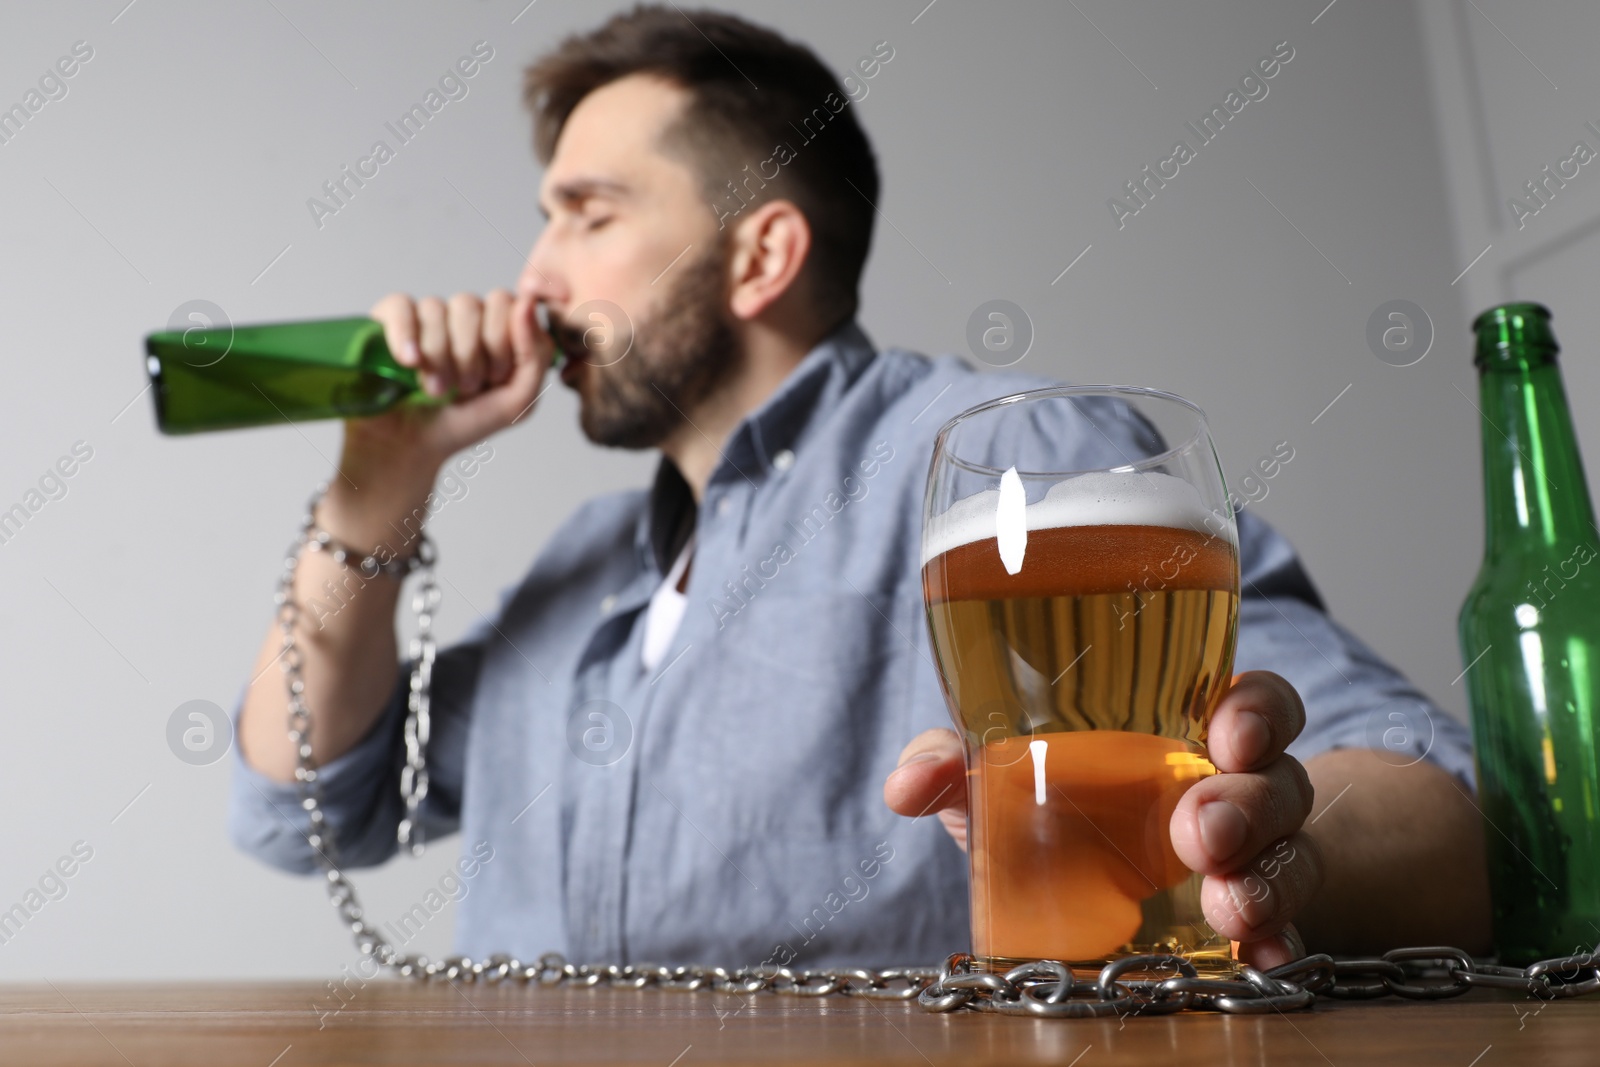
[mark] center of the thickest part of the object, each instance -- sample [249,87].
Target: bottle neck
[1535,494]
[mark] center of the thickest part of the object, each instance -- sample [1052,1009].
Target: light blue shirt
[727,806]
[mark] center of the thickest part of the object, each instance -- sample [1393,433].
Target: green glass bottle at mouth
[230,377]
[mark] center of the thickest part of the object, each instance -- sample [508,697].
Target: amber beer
[1085,682]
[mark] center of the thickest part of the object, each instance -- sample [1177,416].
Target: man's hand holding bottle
[491,351]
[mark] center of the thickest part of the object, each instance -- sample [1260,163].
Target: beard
[677,358]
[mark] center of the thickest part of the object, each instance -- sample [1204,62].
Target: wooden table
[289,1024]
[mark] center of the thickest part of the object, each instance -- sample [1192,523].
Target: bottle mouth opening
[1507,314]
[1514,334]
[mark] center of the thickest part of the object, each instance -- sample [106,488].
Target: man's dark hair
[751,91]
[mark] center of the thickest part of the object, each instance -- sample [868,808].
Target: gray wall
[178,165]
[1514,95]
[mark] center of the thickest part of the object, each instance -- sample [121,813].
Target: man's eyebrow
[580,189]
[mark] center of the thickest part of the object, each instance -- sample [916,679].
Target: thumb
[522,389]
[506,404]
[528,340]
[931,776]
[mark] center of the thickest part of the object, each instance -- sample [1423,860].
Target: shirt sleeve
[360,789]
[1353,697]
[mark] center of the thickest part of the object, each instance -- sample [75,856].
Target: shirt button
[723,507]
[608,602]
[783,460]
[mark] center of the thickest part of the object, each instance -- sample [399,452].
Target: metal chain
[414,775]
[1050,989]
[1043,988]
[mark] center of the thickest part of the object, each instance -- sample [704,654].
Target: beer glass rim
[1202,429]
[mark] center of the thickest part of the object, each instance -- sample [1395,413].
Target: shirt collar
[815,386]
[668,520]
[783,422]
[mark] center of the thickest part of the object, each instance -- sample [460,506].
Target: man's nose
[539,278]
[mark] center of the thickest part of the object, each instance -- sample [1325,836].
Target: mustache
[599,337]
[567,336]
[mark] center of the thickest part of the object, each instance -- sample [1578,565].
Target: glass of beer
[1081,577]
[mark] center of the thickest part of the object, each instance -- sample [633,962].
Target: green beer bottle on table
[1530,638]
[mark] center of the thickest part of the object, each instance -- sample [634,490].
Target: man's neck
[770,355]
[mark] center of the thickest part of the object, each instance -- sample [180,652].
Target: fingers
[1224,820]
[464,324]
[931,776]
[1242,828]
[1254,722]
[1285,946]
[1258,902]
[433,341]
[468,343]
[398,314]
[497,334]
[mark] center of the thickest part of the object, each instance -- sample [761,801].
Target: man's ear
[769,250]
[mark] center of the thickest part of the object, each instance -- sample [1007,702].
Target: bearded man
[683,734]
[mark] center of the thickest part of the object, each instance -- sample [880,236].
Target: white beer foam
[1095,498]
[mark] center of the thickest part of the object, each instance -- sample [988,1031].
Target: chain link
[1043,988]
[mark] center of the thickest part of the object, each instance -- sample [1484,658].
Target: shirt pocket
[810,691]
